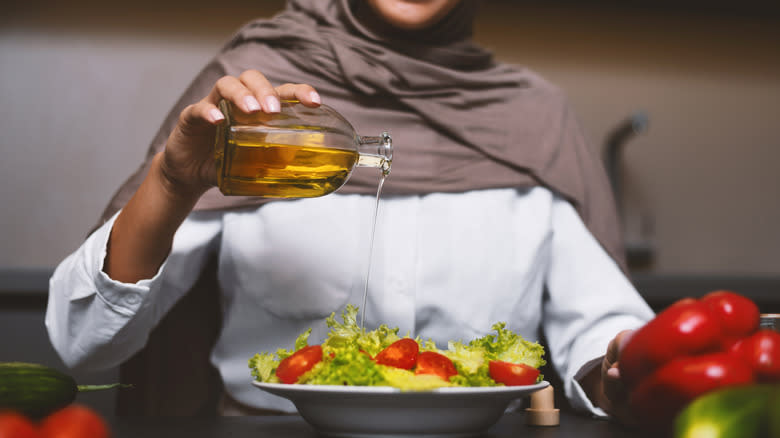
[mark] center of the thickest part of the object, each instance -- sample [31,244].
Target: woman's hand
[615,394]
[187,163]
[604,386]
[143,232]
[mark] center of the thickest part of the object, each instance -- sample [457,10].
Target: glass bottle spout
[376,151]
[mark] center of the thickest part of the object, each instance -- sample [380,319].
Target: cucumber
[736,412]
[37,390]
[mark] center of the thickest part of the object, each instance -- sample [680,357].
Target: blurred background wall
[700,184]
[84,86]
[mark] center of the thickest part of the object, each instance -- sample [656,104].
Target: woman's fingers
[194,118]
[610,374]
[245,92]
[261,90]
[304,93]
[613,386]
[616,346]
[251,91]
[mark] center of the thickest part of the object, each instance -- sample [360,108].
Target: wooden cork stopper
[542,411]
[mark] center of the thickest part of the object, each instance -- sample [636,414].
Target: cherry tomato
[761,351]
[738,316]
[687,327]
[15,425]
[512,374]
[430,362]
[400,354]
[663,394]
[293,366]
[74,421]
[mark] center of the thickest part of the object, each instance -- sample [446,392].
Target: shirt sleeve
[95,322]
[589,300]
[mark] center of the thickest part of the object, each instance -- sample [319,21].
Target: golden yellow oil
[253,167]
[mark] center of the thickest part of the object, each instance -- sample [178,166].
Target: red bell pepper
[761,351]
[685,328]
[693,347]
[658,398]
[737,315]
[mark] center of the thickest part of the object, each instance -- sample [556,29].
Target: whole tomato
[15,425]
[685,328]
[761,351]
[74,421]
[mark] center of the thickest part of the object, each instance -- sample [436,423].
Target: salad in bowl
[352,356]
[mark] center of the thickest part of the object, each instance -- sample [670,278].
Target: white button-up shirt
[444,267]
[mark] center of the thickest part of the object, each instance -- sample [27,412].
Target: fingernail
[216,115]
[272,104]
[614,373]
[315,97]
[251,103]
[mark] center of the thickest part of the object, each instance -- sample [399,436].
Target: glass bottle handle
[376,151]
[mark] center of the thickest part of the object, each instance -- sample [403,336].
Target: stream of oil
[371,248]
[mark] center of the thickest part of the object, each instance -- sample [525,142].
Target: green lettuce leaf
[349,335]
[508,346]
[263,366]
[347,367]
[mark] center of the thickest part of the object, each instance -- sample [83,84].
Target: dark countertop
[293,426]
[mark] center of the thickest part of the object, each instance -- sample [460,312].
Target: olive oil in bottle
[254,167]
[300,152]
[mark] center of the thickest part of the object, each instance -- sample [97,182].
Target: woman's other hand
[187,163]
[615,393]
[604,386]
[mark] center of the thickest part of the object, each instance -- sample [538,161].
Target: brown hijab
[459,119]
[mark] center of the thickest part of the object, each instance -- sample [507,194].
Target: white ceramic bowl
[377,412]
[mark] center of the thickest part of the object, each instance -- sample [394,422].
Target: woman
[496,210]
